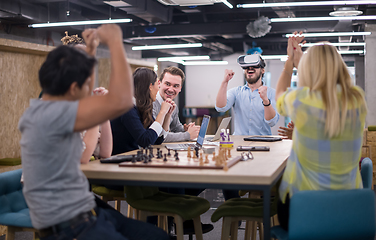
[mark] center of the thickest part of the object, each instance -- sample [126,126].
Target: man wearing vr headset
[254,103]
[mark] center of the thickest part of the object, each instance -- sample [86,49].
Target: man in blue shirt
[254,103]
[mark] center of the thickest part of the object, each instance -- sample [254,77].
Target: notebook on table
[200,138]
[223,125]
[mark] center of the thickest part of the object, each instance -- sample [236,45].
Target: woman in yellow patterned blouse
[329,116]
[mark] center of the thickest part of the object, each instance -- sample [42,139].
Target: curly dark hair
[63,66]
[142,78]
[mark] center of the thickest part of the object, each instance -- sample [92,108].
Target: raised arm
[221,100]
[294,52]
[95,110]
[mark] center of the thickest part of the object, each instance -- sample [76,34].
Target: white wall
[202,82]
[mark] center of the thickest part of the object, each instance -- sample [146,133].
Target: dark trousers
[109,224]
[228,194]
[283,211]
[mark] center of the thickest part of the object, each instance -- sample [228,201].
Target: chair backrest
[11,197]
[134,193]
[332,215]
[367,173]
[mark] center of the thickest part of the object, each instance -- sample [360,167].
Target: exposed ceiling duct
[148,10]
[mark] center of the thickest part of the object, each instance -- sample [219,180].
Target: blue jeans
[110,224]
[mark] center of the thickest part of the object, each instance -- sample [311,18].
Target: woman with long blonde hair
[329,116]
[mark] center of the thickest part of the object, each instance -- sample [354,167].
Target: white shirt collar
[159,98]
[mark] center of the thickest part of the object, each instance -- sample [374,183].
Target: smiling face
[252,75]
[170,86]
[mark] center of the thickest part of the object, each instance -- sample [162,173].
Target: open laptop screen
[203,128]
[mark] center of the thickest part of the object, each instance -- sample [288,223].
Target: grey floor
[215,198]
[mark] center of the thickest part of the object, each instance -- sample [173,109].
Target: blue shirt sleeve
[271,95]
[231,97]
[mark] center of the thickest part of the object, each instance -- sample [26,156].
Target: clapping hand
[294,50]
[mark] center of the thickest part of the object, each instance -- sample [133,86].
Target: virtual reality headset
[253,60]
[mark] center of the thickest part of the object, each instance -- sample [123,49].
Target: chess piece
[213,159]
[168,153]
[145,159]
[201,160]
[189,153]
[196,152]
[165,158]
[134,160]
[225,168]
[159,154]
[206,158]
[151,151]
[229,153]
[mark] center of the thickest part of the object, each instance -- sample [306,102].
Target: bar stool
[149,201]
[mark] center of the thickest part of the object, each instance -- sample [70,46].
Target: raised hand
[263,94]
[228,75]
[109,33]
[91,40]
[294,50]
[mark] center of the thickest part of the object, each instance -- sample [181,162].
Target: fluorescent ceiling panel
[311,3]
[168,46]
[76,23]
[333,34]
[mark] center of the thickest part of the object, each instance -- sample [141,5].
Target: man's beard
[254,79]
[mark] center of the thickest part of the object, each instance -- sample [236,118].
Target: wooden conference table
[258,174]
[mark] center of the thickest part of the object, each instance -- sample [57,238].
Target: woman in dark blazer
[137,128]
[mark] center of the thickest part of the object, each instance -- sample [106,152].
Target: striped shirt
[317,162]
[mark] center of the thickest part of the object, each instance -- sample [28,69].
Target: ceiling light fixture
[174,59]
[332,34]
[345,11]
[227,4]
[75,23]
[205,63]
[311,19]
[284,57]
[351,52]
[167,46]
[296,4]
[350,44]
[271,57]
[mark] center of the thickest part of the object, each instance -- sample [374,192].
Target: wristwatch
[266,104]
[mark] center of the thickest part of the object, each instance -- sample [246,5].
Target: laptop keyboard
[186,145]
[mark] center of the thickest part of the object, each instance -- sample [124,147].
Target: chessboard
[196,159]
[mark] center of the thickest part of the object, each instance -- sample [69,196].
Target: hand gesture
[109,33]
[294,50]
[193,131]
[228,75]
[286,132]
[100,91]
[172,106]
[186,126]
[263,93]
[91,40]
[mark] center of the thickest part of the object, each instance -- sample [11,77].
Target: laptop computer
[223,125]
[200,138]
